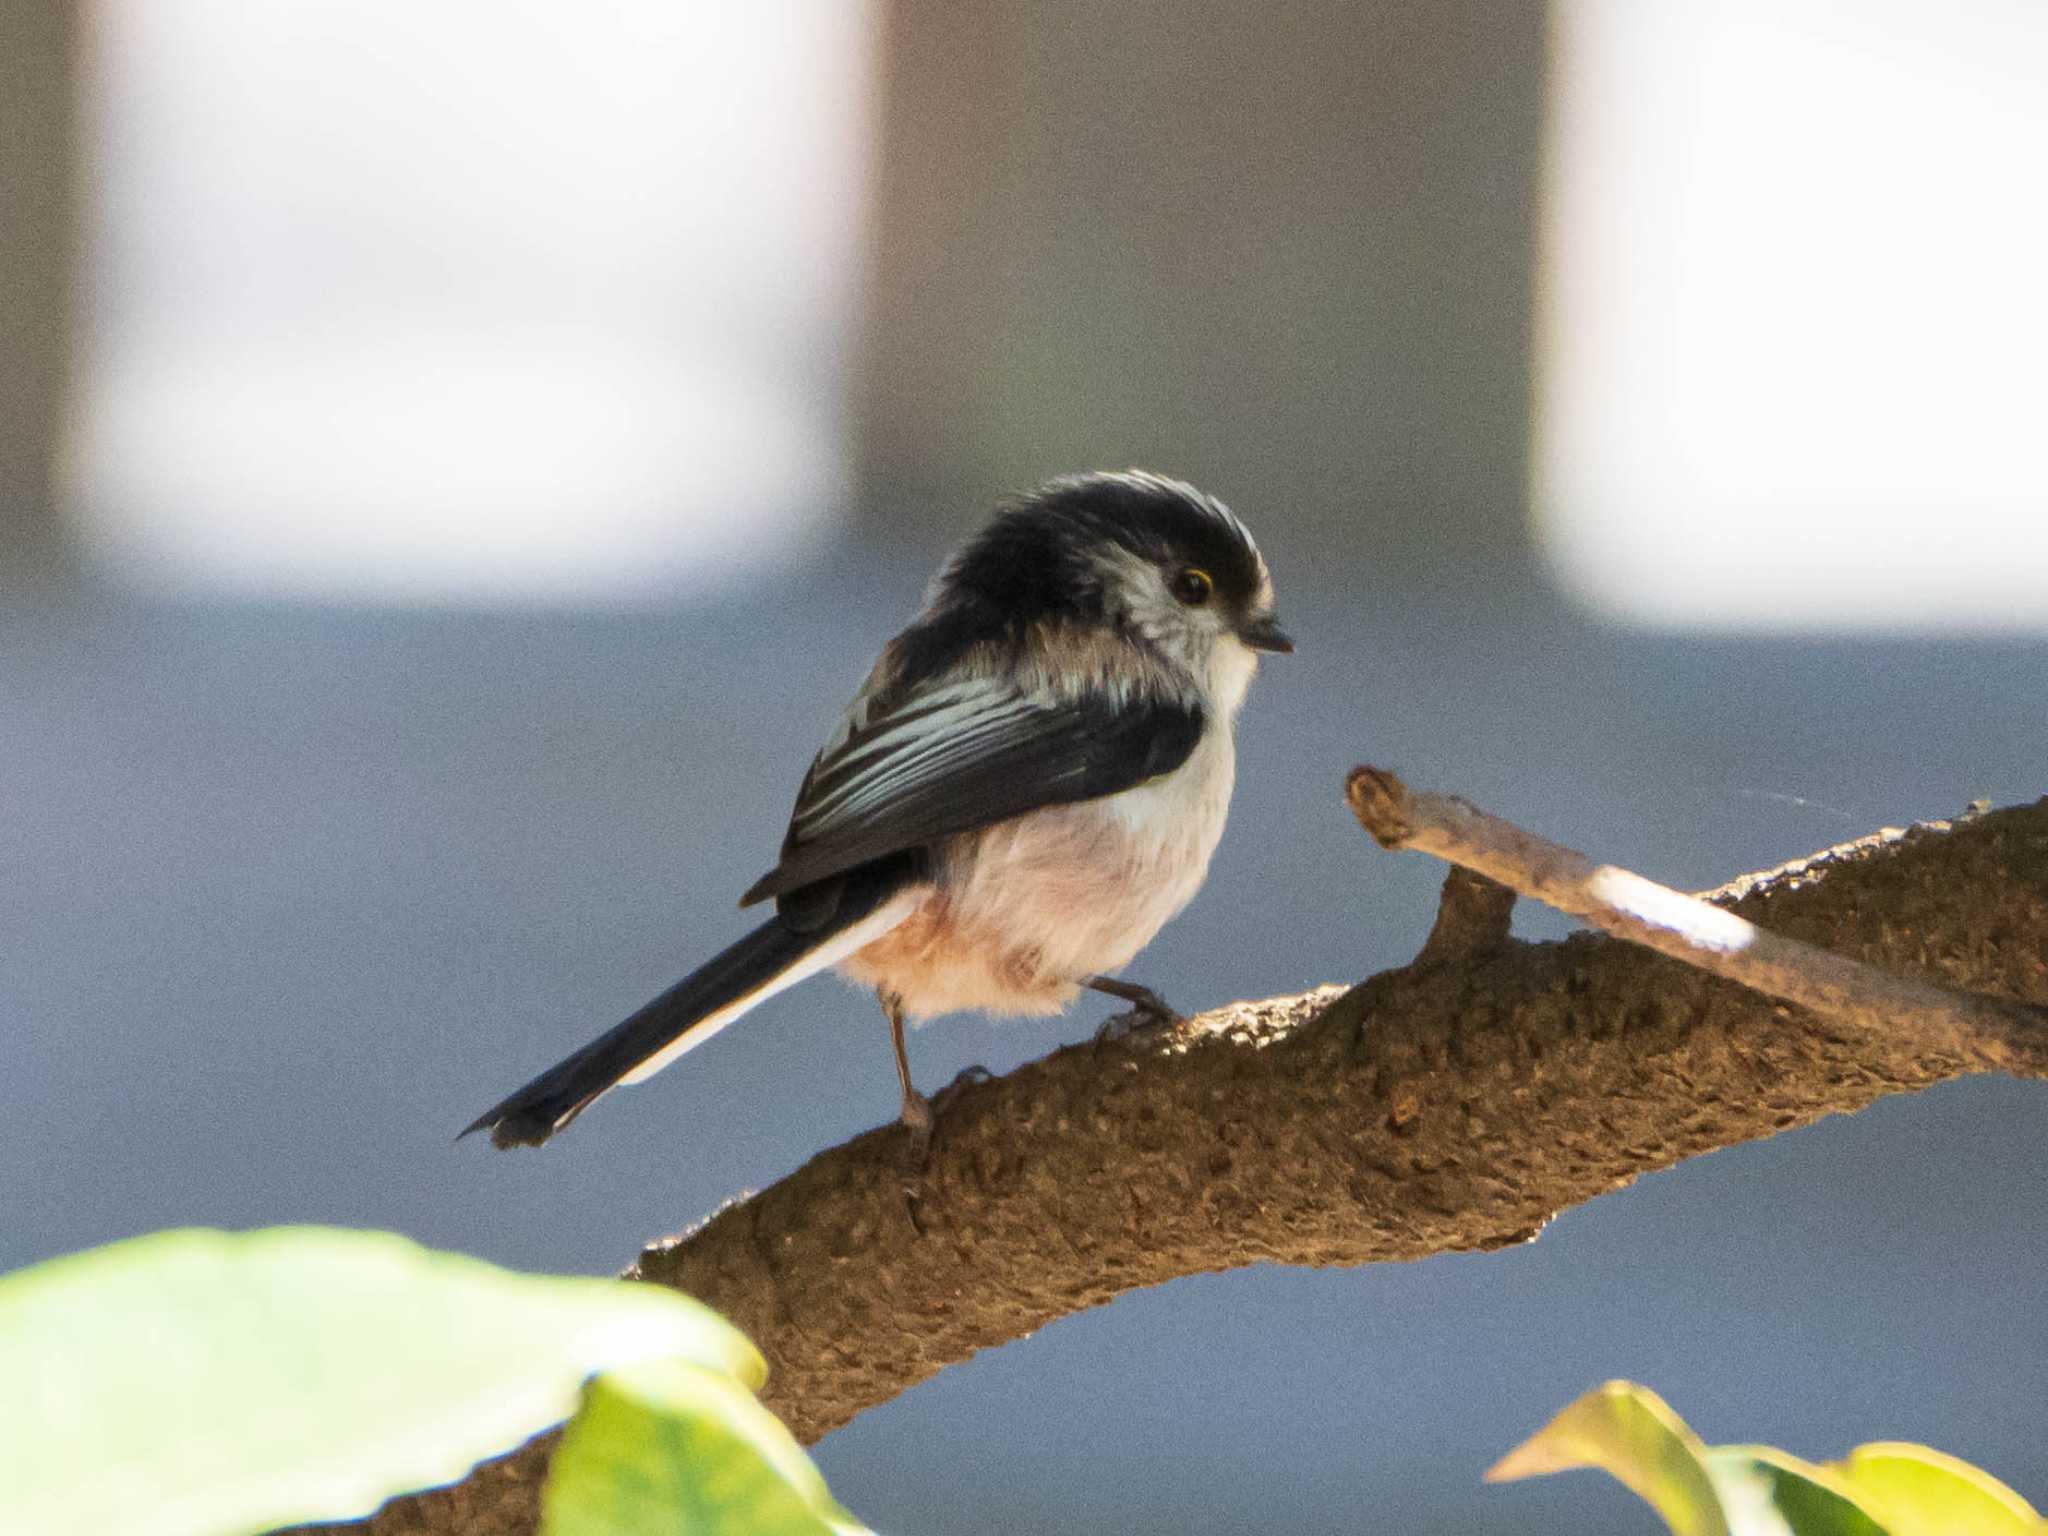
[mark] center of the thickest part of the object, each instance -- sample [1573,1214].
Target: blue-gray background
[290,892]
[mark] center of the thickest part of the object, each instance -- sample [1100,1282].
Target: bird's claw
[1141,1021]
[921,1114]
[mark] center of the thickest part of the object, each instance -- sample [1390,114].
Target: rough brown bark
[1457,1103]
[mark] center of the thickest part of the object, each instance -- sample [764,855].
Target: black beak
[1265,634]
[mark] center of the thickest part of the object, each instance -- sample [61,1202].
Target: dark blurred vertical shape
[38,263]
[1283,249]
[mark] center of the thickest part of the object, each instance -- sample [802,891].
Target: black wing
[953,757]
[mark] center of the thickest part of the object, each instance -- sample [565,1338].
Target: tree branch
[1457,1103]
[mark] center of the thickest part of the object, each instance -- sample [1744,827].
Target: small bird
[1029,784]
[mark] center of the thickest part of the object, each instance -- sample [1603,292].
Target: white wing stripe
[913,725]
[922,749]
[916,762]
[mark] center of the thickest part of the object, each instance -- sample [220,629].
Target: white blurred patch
[1794,313]
[467,301]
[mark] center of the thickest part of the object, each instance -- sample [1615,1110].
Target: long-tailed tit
[1027,786]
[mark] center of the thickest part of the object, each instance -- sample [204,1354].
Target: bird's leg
[917,1109]
[1141,999]
[1148,1009]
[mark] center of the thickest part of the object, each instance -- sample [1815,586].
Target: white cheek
[1231,666]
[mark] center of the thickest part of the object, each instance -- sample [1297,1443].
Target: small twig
[1842,991]
[1473,917]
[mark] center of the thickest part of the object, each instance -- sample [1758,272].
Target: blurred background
[455,460]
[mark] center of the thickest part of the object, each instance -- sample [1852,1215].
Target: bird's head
[1153,558]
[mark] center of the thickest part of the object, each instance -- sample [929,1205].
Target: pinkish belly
[1024,912]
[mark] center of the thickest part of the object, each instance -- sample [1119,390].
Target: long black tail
[738,976]
[812,929]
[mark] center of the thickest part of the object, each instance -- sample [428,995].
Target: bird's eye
[1193,586]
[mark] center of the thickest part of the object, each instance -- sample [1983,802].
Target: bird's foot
[918,1120]
[1148,1015]
[921,1114]
[1140,1025]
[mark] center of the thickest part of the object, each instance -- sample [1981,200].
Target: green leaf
[1797,1496]
[1756,1490]
[1631,1432]
[1922,1492]
[201,1383]
[671,1449]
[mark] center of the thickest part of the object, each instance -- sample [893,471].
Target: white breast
[1172,826]
[1024,911]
